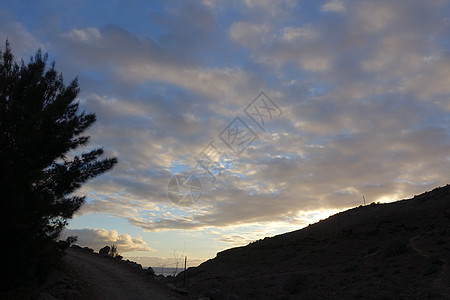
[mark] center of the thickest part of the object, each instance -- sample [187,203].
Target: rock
[87,249]
[149,271]
[133,264]
[160,277]
[104,251]
[73,246]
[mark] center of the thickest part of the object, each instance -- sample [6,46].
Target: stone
[160,277]
[149,271]
[104,251]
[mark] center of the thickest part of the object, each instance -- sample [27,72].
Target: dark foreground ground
[90,276]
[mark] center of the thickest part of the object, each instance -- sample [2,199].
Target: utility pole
[364,199]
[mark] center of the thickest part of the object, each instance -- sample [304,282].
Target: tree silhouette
[40,127]
[113,252]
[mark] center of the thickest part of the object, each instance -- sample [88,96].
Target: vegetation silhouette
[40,127]
[114,252]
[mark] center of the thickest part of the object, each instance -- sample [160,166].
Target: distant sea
[167,271]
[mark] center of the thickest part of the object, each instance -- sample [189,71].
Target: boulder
[160,277]
[150,272]
[134,264]
[104,251]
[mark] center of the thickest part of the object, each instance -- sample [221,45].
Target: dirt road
[104,278]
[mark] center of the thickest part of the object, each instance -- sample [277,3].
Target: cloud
[270,7]
[290,33]
[97,238]
[334,6]
[22,41]
[373,17]
[433,81]
[207,81]
[364,92]
[88,35]
[353,127]
[250,34]
[131,61]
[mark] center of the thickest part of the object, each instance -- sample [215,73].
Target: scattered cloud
[364,88]
[97,238]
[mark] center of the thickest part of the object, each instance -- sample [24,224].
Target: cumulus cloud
[97,238]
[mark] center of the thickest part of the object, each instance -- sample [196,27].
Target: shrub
[113,252]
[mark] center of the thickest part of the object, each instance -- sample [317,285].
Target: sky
[236,120]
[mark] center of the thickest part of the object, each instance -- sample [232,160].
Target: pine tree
[40,127]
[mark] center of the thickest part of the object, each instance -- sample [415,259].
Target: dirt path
[104,278]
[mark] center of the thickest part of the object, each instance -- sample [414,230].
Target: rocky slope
[398,250]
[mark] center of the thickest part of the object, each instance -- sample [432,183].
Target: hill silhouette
[397,250]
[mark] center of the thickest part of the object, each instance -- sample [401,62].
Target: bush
[113,252]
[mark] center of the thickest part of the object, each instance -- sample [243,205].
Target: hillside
[397,250]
